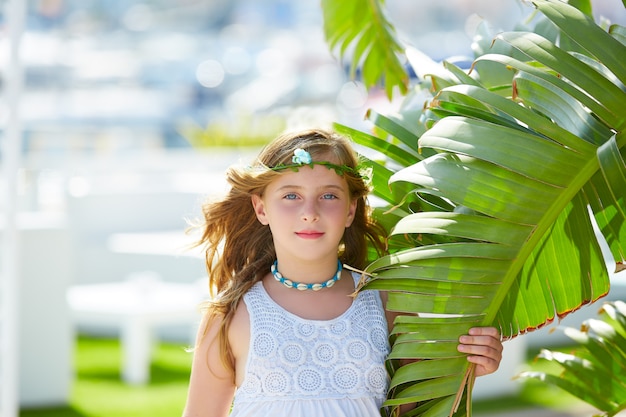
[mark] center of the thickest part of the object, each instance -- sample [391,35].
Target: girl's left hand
[484,348]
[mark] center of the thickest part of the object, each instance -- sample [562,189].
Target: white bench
[136,307]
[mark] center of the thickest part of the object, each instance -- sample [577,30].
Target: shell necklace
[303,286]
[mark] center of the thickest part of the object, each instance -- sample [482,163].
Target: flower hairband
[302,158]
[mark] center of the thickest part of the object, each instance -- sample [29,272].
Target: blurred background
[129,114]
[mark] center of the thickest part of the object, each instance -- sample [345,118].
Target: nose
[310,212]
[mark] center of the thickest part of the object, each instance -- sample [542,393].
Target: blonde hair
[239,250]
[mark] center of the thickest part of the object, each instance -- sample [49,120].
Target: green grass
[98,390]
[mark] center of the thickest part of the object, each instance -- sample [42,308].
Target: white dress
[314,368]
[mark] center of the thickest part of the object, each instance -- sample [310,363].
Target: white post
[15,12]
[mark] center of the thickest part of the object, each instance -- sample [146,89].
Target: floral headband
[303,158]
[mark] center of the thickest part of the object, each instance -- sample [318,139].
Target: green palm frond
[361,30]
[594,371]
[493,219]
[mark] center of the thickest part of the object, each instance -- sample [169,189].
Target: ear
[259,209]
[351,212]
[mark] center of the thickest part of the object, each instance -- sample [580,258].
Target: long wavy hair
[239,250]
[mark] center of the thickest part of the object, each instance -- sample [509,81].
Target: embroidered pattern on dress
[309,380]
[305,331]
[340,328]
[378,338]
[345,378]
[325,354]
[294,358]
[275,381]
[357,349]
[293,352]
[377,378]
[264,344]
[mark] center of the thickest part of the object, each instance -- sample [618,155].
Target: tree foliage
[594,370]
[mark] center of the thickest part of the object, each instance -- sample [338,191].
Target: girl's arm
[211,385]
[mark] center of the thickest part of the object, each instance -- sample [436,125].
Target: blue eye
[290,196]
[329,197]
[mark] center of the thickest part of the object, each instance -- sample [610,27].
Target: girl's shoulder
[240,323]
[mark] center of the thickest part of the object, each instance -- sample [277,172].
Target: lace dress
[314,368]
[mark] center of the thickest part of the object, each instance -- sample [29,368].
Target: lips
[309,234]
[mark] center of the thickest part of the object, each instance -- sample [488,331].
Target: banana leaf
[594,370]
[522,168]
[363,29]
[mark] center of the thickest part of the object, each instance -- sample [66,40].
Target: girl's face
[307,212]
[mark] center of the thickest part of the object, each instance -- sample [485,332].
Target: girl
[284,337]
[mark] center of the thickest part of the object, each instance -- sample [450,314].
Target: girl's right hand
[484,347]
